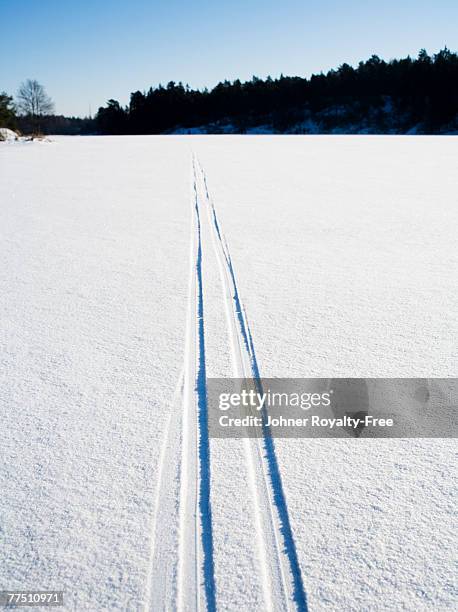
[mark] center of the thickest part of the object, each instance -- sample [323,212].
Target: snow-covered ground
[115,302]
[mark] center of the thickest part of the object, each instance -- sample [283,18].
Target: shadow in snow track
[299,594]
[204,444]
[227,257]
[238,308]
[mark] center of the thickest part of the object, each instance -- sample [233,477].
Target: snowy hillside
[7,135]
[120,257]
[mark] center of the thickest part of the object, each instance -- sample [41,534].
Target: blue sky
[86,51]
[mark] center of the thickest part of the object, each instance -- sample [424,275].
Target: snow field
[343,254]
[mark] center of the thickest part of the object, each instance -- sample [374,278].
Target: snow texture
[119,258]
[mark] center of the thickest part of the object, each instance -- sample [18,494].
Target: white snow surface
[345,253]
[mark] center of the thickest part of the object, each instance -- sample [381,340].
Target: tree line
[395,95]
[424,89]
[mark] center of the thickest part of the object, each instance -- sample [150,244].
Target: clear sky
[87,51]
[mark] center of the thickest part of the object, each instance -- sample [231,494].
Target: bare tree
[33,101]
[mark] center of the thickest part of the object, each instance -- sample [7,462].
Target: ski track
[282,579]
[196,584]
[186,581]
[162,571]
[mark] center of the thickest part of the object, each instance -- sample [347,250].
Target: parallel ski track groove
[267,455]
[189,584]
[196,565]
[159,580]
[204,443]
